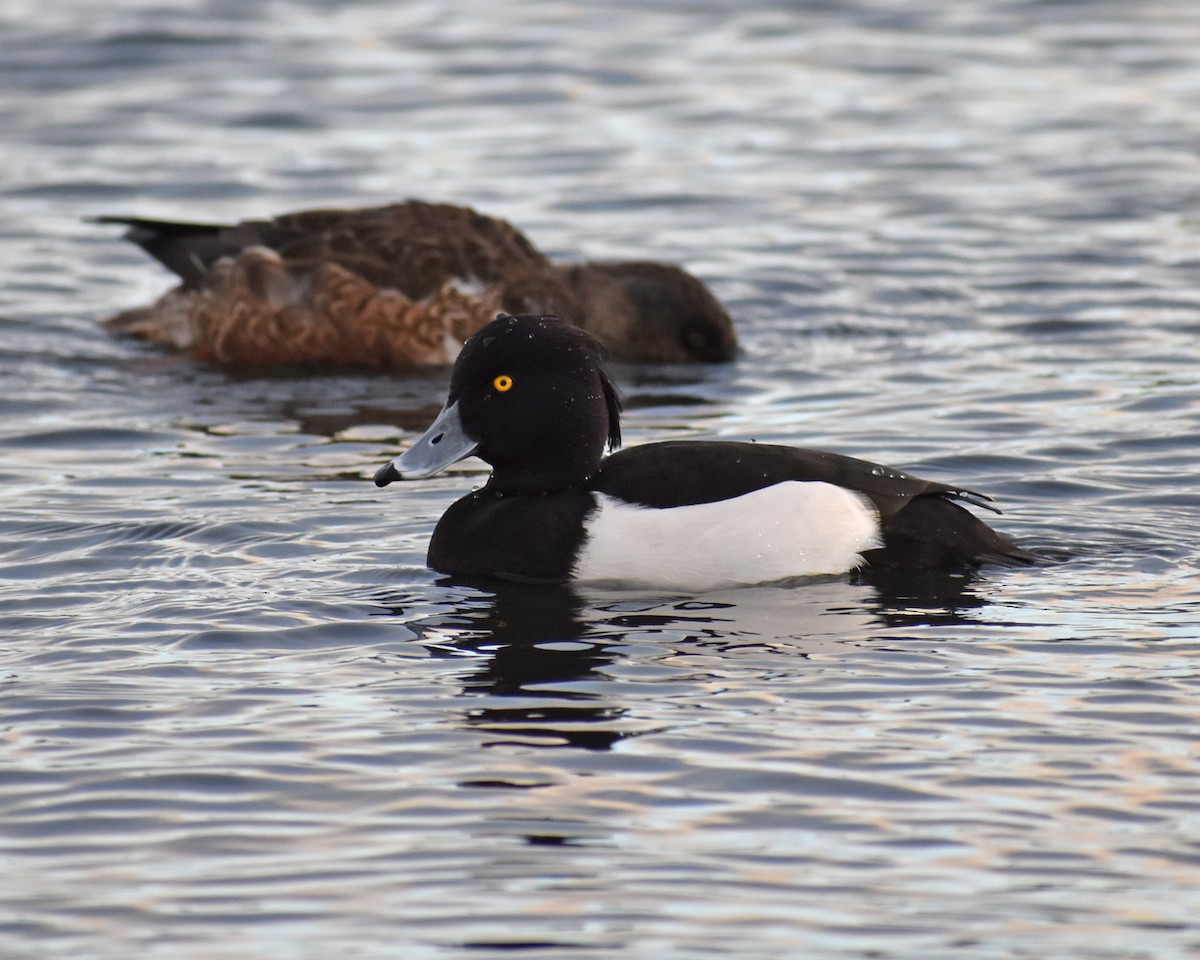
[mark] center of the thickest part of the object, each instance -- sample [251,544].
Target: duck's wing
[920,522]
[413,247]
[679,473]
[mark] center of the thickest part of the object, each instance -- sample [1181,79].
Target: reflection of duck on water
[537,647]
[401,286]
[541,674]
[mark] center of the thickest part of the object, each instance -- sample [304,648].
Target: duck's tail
[186,249]
[934,532]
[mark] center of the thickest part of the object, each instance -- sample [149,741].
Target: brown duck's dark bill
[444,443]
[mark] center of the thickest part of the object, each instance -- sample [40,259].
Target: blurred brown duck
[397,287]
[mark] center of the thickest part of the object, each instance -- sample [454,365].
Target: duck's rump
[921,524]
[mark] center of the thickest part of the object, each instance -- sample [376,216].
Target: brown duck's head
[651,311]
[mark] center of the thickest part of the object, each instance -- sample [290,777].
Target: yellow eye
[503,383]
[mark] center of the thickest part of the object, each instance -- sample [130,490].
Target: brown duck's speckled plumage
[397,287]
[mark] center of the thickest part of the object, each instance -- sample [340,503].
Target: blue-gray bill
[444,443]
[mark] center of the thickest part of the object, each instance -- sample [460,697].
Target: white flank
[790,529]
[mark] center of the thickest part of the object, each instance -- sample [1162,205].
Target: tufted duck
[530,396]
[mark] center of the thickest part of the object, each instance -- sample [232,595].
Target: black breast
[525,538]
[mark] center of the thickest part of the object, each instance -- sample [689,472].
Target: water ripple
[242,717]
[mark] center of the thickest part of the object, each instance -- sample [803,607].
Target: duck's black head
[529,394]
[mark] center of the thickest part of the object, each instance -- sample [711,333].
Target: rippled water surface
[241,719]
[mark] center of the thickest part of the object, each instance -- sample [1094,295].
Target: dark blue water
[241,719]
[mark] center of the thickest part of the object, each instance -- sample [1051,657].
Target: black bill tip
[386,474]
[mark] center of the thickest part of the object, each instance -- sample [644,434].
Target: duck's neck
[542,477]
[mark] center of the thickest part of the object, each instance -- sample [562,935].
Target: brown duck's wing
[455,262]
[414,247]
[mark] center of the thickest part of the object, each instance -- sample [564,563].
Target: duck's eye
[503,383]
